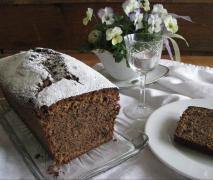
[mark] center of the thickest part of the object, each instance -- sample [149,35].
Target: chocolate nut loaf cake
[195,129]
[69,107]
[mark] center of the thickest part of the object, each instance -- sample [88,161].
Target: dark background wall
[58,23]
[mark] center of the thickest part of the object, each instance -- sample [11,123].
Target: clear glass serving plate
[95,162]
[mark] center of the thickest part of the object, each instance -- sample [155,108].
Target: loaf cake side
[195,129]
[70,107]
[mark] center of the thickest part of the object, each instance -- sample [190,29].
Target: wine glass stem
[142,98]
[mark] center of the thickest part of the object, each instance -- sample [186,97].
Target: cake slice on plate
[195,129]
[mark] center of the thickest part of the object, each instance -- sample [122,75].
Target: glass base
[134,111]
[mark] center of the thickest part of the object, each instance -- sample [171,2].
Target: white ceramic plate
[160,128]
[152,76]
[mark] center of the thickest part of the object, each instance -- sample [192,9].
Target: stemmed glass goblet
[143,54]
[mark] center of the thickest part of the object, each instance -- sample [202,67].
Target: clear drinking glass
[143,54]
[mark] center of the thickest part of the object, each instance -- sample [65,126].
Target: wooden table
[91,59]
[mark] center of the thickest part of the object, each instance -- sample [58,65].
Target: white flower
[114,35]
[154,22]
[171,24]
[160,10]
[145,5]
[88,17]
[138,20]
[106,15]
[94,36]
[130,6]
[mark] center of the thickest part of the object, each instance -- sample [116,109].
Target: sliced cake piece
[195,129]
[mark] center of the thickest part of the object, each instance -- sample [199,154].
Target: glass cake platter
[95,162]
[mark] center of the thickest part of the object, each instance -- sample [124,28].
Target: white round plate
[160,128]
[151,77]
[156,74]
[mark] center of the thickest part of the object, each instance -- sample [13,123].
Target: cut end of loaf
[78,124]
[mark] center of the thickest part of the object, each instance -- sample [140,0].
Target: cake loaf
[70,107]
[195,129]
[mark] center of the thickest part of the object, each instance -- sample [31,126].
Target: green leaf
[118,18]
[86,47]
[176,49]
[179,37]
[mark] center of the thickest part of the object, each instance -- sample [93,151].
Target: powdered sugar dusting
[46,76]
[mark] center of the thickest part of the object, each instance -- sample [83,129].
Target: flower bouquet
[110,28]
[138,17]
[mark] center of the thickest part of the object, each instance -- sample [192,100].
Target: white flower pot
[119,71]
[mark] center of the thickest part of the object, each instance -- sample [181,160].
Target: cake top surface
[44,76]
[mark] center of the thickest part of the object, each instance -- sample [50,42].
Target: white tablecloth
[182,82]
